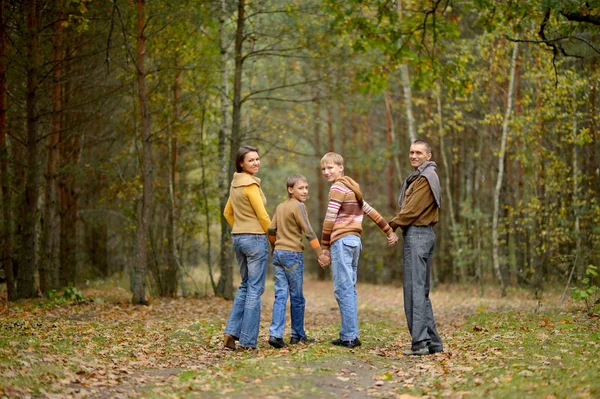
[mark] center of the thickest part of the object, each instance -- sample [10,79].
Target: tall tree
[48,270]
[501,160]
[5,192]
[144,207]
[225,284]
[27,253]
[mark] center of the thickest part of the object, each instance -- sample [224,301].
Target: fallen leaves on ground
[110,348]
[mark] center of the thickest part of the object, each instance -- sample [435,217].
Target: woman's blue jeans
[289,275]
[252,254]
[344,265]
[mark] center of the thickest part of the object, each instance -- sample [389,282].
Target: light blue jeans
[289,275]
[344,265]
[252,254]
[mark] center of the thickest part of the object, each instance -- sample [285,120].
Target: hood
[352,185]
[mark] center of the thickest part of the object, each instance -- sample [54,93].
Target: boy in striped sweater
[289,224]
[341,243]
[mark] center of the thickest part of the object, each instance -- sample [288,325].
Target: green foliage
[588,292]
[69,294]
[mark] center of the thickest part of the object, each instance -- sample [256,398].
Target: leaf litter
[173,348]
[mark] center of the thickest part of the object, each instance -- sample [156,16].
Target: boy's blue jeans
[252,254]
[289,275]
[344,265]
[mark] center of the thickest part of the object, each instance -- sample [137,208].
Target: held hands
[392,239]
[324,258]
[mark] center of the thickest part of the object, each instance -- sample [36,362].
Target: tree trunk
[67,188]
[495,241]
[330,136]
[48,269]
[144,220]
[172,270]
[27,260]
[5,193]
[320,184]
[453,225]
[225,284]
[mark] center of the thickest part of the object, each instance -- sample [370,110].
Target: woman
[246,214]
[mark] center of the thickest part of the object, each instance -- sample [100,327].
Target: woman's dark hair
[241,154]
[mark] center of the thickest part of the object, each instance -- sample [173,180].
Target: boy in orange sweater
[289,224]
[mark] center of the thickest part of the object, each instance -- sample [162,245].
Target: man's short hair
[332,157]
[292,180]
[425,143]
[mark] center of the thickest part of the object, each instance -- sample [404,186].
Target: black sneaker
[277,342]
[304,340]
[348,344]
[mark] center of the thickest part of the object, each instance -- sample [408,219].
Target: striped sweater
[345,212]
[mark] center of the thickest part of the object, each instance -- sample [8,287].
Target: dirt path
[357,373]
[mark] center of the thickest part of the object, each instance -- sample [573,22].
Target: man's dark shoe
[433,350]
[417,352]
[277,342]
[348,344]
[304,340]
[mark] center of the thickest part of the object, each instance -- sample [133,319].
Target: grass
[494,348]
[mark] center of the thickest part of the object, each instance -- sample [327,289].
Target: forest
[120,120]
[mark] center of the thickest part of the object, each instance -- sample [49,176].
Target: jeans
[344,265]
[252,254]
[289,275]
[419,243]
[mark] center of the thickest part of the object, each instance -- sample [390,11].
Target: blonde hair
[332,157]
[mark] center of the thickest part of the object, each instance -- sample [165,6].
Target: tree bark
[27,260]
[48,270]
[495,217]
[453,224]
[67,188]
[225,285]
[5,193]
[145,203]
[319,177]
[172,270]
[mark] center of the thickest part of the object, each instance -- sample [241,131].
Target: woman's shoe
[229,342]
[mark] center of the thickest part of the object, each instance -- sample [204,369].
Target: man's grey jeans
[419,243]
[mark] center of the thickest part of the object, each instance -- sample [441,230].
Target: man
[419,201]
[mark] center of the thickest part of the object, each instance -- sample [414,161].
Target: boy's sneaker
[348,344]
[277,342]
[304,340]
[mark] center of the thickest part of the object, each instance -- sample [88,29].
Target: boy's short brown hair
[292,180]
[332,157]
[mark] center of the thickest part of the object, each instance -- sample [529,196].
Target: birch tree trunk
[225,286]
[495,217]
[407,89]
[145,203]
[27,259]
